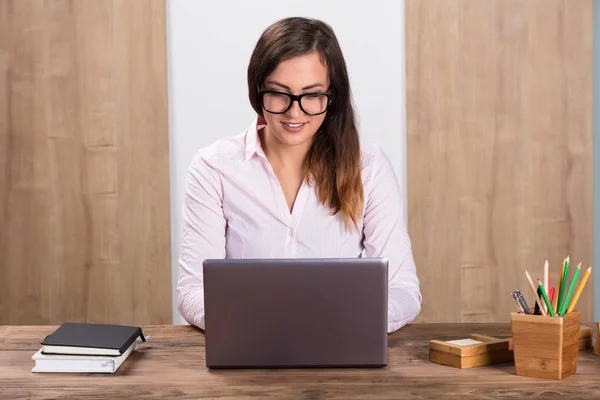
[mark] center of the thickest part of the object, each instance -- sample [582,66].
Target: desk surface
[171,365]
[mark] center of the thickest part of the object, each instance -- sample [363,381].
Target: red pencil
[551,295]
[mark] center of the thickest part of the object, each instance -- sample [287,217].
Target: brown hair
[334,159]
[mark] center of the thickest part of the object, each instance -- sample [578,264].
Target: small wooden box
[597,344]
[544,346]
[585,338]
[491,351]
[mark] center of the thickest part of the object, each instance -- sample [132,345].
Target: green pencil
[563,285]
[573,281]
[545,296]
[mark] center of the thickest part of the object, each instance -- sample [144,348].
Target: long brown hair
[334,160]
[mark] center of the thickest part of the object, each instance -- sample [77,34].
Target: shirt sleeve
[203,236]
[386,235]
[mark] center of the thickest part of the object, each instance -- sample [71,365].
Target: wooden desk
[171,365]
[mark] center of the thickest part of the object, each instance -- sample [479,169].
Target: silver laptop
[292,313]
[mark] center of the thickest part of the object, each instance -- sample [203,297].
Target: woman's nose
[294,110]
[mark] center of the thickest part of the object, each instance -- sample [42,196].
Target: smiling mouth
[293,125]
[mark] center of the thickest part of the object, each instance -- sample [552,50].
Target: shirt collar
[253,145]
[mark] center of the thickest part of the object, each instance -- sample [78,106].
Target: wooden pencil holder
[544,346]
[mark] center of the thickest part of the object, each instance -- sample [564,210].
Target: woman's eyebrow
[314,85]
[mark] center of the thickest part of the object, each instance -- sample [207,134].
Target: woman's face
[299,75]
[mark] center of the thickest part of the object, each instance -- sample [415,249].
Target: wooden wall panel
[84,172]
[499,149]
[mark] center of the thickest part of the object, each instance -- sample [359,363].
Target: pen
[517,302]
[520,301]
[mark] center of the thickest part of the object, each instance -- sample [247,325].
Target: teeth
[294,125]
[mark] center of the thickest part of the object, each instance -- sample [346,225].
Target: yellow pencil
[579,289]
[557,291]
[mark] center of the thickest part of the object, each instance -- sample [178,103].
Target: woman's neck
[283,157]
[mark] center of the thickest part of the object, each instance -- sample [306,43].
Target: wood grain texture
[172,365]
[499,150]
[491,351]
[597,341]
[84,173]
[544,346]
[586,334]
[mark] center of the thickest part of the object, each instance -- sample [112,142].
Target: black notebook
[91,339]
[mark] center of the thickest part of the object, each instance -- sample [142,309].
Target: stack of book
[86,348]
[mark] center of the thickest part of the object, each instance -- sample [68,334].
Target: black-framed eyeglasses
[280,102]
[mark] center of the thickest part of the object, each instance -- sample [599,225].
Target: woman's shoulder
[229,147]
[229,150]
[377,167]
[372,156]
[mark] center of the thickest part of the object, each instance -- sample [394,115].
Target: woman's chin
[294,139]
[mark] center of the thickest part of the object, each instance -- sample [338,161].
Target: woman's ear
[261,122]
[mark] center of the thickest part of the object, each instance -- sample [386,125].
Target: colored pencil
[545,296]
[535,295]
[545,279]
[546,275]
[571,287]
[556,293]
[563,284]
[579,290]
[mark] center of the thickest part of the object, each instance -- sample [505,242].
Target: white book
[79,364]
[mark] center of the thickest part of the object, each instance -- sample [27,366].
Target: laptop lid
[296,312]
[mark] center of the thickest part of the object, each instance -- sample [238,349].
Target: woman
[297,183]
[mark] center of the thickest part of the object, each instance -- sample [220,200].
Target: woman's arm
[203,236]
[386,236]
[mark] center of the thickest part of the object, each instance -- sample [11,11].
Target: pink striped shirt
[234,207]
